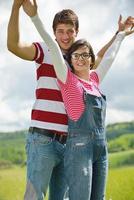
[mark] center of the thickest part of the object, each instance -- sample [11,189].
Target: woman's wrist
[117,32]
[35,17]
[120,35]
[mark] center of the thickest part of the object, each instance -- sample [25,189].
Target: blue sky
[98,23]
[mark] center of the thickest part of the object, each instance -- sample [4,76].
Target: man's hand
[30,7]
[126,25]
[18,3]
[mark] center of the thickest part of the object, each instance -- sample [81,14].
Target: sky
[98,23]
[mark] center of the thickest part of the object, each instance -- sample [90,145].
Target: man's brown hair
[66,16]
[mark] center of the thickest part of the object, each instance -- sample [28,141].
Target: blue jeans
[44,168]
[86,168]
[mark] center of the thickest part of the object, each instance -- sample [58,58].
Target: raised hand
[129,25]
[126,25]
[18,3]
[30,7]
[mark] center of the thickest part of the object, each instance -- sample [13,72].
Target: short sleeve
[94,78]
[39,54]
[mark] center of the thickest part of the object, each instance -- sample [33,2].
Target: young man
[48,130]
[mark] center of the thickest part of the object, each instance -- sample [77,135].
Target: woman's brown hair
[76,45]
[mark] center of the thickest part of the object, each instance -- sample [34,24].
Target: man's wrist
[16,6]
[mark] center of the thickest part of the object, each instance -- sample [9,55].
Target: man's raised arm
[14,44]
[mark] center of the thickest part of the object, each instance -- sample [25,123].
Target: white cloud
[116,115]
[15,118]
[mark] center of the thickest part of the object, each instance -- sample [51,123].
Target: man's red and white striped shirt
[48,110]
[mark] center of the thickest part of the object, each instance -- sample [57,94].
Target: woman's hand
[129,29]
[126,25]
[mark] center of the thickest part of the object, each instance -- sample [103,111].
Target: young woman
[86,159]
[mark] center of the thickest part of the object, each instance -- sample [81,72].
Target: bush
[5,164]
[122,143]
[121,159]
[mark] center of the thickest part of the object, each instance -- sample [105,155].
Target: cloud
[14,119]
[116,115]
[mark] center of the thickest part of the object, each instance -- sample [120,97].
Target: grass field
[120,184]
[12,183]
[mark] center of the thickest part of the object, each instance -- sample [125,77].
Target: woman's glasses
[84,56]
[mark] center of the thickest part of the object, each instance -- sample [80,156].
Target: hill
[117,129]
[12,144]
[12,148]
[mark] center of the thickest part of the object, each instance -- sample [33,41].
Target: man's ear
[54,35]
[54,32]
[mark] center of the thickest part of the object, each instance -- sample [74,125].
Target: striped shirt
[70,84]
[48,110]
[72,92]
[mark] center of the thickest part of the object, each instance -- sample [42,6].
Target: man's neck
[64,52]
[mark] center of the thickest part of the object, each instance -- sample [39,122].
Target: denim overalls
[86,160]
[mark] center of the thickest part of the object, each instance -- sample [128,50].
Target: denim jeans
[86,168]
[44,168]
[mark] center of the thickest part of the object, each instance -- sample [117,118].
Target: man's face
[65,36]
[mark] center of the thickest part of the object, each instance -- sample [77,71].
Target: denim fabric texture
[86,161]
[44,168]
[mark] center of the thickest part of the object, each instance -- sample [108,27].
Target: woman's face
[81,60]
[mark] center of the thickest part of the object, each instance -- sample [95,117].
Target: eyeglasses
[84,56]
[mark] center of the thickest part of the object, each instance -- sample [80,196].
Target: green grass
[12,183]
[120,184]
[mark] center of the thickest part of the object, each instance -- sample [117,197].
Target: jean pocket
[97,106]
[78,142]
[42,139]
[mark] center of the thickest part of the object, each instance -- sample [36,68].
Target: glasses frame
[76,56]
